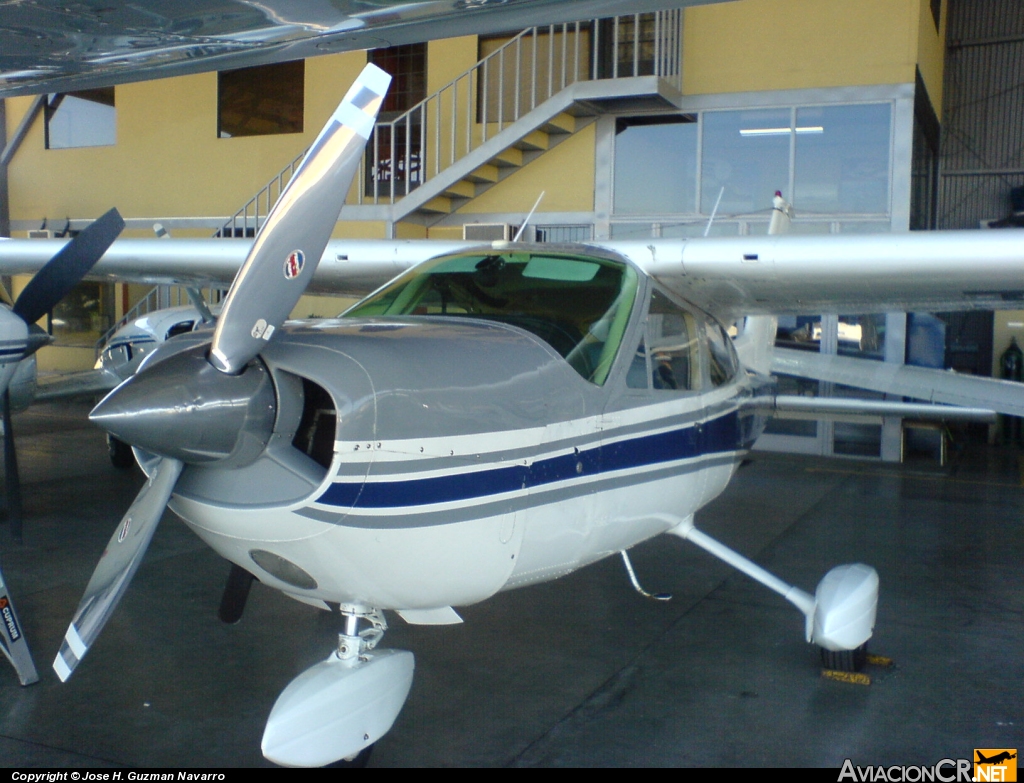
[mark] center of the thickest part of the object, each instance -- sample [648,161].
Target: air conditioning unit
[487,232]
[40,233]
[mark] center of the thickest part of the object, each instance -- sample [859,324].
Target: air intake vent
[487,232]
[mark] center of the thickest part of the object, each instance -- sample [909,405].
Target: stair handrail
[475,106]
[241,224]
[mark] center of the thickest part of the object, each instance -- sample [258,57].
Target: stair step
[508,157]
[438,204]
[464,188]
[534,140]
[560,123]
[485,174]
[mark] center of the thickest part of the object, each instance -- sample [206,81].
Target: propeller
[20,337]
[215,405]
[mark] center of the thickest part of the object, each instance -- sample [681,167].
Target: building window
[81,317]
[81,119]
[842,159]
[745,160]
[627,46]
[408,68]
[394,159]
[833,162]
[655,165]
[260,101]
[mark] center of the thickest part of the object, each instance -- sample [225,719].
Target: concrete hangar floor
[579,672]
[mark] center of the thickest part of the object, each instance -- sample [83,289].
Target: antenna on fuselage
[526,222]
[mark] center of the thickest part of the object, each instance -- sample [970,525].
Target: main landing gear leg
[336,710]
[840,616]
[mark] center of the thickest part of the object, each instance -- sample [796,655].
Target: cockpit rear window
[578,304]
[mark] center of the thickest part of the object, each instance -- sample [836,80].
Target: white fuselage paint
[535,534]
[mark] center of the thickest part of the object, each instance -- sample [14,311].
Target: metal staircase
[518,102]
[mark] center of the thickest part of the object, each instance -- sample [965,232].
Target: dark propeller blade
[236,593]
[11,481]
[64,271]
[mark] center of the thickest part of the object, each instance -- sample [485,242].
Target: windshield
[578,304]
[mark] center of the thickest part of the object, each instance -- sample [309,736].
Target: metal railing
[247,221]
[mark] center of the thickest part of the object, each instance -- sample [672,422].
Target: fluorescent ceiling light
[781,131]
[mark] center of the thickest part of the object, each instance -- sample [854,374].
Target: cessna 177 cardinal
[495,417]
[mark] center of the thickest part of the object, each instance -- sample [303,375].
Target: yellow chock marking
[879,660]
[854,678]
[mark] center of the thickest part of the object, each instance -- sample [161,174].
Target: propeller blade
[236,592]
[288,247]
[12,483]
[117,566]
[68,267]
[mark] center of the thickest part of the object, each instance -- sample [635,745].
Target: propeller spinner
[199,407]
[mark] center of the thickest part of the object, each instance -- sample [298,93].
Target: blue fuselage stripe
[722,434]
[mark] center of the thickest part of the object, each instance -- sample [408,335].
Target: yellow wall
[168,161]
[565,174]
[447,59]
[754,45]
[932,52]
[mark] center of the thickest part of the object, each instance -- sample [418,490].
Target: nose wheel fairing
[341,706]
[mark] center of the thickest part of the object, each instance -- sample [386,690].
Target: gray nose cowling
[185,409]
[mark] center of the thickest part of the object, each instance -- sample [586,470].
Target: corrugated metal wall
[982,152]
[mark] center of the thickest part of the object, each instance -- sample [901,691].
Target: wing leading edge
[795,275]
[727,276]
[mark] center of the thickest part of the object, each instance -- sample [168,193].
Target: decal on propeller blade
[293,265]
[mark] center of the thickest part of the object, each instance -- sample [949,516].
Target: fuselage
[134,341]
[433,459]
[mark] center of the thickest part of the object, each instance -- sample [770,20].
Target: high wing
[794,275]
[347,268]
[48,47]
[729,277]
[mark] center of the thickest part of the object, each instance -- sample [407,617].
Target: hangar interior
[869,117]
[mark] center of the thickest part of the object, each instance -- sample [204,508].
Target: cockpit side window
[182,327]
[579,304]
[673,337]
[638,376]
[722,359]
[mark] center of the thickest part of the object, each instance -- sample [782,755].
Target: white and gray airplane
[493,417]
